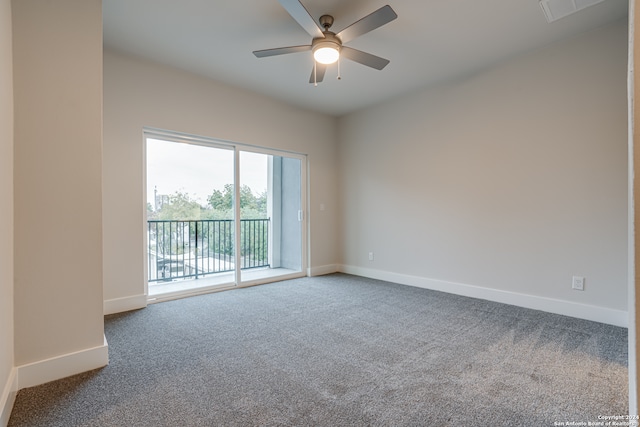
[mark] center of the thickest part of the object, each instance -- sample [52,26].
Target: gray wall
[512,180]
[6,199]
[137,94]
[57,177]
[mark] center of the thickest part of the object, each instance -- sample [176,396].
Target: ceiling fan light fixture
[327,46]
[326,52]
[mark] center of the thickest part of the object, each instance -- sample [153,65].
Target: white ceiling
[431,42]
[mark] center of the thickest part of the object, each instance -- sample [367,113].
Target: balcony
[193,249]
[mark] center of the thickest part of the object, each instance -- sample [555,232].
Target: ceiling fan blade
[302,17]
[280,51]
[364,58]
[317,74]
[377,19]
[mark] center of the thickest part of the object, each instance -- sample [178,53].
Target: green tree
[150,213]
[222,200]
[261,203]
[247,199]
[251,206]
[180,207]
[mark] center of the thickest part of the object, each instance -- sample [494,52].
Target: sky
[198,170]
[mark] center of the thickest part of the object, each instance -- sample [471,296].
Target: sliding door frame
[237,148]
[304,222]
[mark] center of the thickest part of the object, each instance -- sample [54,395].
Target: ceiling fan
[327,46]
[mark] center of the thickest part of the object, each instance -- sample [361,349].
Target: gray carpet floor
[340,350]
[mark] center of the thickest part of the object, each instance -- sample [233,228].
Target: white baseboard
[59,367]
[550,305]
[120,305]
[8,397]
[323,269]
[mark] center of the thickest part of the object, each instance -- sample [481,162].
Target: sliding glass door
[271,233]
[221,215]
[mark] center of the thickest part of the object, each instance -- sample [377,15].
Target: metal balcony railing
[196,248]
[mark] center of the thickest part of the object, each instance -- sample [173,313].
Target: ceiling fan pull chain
[315,73]
[339,76]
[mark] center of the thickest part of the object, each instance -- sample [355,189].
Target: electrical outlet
[578,283]
[370,256]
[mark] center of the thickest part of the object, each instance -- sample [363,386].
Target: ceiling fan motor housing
[329,40]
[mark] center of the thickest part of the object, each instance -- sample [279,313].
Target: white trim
[59,367]
[270,279]
[189,138]
[322,270]
[145,216]
[170,296]
[8,397]
[566,308]
[237,216]
[120,305]
[631,289]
